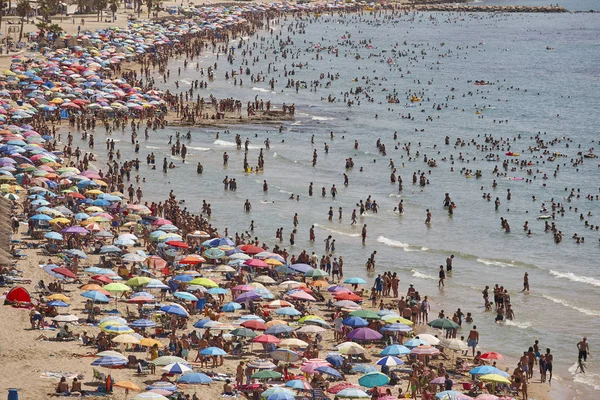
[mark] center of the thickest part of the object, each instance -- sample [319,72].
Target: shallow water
[530,87]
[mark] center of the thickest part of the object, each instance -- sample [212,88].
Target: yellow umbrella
[126,385]
[319,283]
[8,72]
[94,191]
[292,343]
[139,281]
[204,282]
[349,348]
[273,261]
[59,296]
[275,322]
[149,342]
[94,209]
[494,378]
[394,319]
[60,221]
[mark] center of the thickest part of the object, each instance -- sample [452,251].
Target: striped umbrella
[176,368]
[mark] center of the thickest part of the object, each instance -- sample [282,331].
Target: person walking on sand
[473,339]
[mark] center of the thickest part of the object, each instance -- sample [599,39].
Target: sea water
[554,92]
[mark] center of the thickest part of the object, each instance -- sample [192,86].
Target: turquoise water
[554,92]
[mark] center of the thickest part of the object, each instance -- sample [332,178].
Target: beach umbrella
[293,343]
[366,314]
[355,322]
[443,323]
[363,369]
[207,283]
[415,343]
[266,339]
[273,322]
[175,309]
[352,393]
[425,351]
[389,360]
[213,351]
[109,361]
[53,236]
[396,328]
[430,339]
[373,379]
[232,306]
[394,319]
[451,395]
[57,303]
[488,369]
[316,273]
[261,364]
[138,281]
[266,374]
[281,396]
[329,371]
[213,254]
[350,348]
[267,280]
[224,268]
[149,342]
[217,291]
[133,257]
[244,332]
[301,295]
[195,378]
[108,249]
[185,296]
[96,296]
[335,359]
[395,350]
[64,273]
[149,396]
[117,329]
[247,296]
[116,287]
[285,355]
[289,311]
[279,329]
[127,338]
[143,323]
[453,344]
[127,385]
[176,368]
[166,360]
[156,284]
[302,268]
[311,329]
[299,384]
[347,304]
[492,356]
[494,378]
[355,281]
[364,334]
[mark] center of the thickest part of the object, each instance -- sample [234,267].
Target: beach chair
[98,376]
[41,288]
[142,370]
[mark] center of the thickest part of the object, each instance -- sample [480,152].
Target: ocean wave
[496,263]
[575,278]
[592,313]
[153,147]
[521,325]
[199,148]
[338,232]
[404,246]
[395,195]
[317,118]
[297,123]
[225,143]
[420,275]
[262,90]
[589,378]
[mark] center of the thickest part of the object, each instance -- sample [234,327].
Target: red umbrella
[341,386]
[140,299]
[251,249]
[347,296]
[177,243]
[102,278]
[192,259]
[256,263]
[266,339]
[254,324]
[64,272]
[162,221]
[156,262]
[492,356]
[77,195]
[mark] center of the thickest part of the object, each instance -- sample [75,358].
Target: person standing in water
[526,282]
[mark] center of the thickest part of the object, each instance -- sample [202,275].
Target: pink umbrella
[243,288]
[311,368]
[162,221]
[253,262]
[300,295]
[425,351]
[266,339]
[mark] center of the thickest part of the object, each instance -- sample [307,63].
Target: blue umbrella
[53,236]
[216,242]
[284,269]
[169,309]
[279,329]
[335,359]
[352,393]
[217,290]
[285,355]
[355,281]
[110,249]
[185,296]
[41,217]
[232,306]
[194,378]
[290,311]
[383,313]
[176,368]
[395,350]
[329,371]
[170,387]
[109,361]
[390,360]
[355,322]
[78,253]
[212,351]
[373,379]
[415,343]
[363,368]
[48,268]
[101,203]
[95,295]
[396,328]
[200,324]
[184,278]
[303,268]
[58,303]
[297,384]
[143,323]
[281,396]
[488,369]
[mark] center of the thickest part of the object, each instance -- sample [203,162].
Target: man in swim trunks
[584,349]
[473,339]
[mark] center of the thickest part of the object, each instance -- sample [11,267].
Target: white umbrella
[66,318]
[454,344]
[432,340]
[129,339]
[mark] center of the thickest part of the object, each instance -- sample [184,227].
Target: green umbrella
[443,323]
[316,273]
[116,287]
[365,314]
[266,374]
[243,332]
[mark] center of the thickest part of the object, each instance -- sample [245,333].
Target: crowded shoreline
[188,225]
